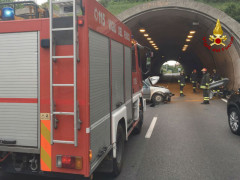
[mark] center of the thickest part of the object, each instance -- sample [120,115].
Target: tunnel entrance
[169,23]
[171,67]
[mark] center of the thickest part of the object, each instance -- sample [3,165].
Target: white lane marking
[150,130]
[224,100]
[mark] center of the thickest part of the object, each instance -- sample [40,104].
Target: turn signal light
[69,162]
[90,155]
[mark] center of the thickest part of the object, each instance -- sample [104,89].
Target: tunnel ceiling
[169,29]
[168,23]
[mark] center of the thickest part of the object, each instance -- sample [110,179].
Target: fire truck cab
[70,91]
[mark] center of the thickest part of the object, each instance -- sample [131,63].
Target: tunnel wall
[227,63]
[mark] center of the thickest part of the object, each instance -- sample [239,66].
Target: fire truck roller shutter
[128,83]
[117,74]
[19,88]
[99,94]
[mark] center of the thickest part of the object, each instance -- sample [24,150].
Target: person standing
[182,83]
[215,77]
[205,86]
[193,80]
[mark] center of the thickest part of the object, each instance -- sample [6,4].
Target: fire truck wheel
[118,161]
[157,98]
[138,128]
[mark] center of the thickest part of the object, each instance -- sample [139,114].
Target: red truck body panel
[96,18]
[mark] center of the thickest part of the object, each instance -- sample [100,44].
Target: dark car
[233,110]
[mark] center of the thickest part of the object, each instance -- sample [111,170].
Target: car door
[146,91]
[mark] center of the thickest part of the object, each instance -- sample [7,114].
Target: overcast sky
[41,1]
[171,62]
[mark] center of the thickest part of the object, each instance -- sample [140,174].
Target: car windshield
[148,82]
[145,84]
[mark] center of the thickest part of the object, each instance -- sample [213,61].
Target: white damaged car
[155,94]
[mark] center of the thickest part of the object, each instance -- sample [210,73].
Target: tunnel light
[189,36]
[185,45]
[155,46]
[192,32]
[149,39]
[142,30]
[146,35]
[151,42]
[188,40]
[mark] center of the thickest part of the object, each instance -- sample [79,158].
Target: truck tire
[118,161]
[157,98]
[138,128]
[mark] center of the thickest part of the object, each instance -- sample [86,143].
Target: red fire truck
[70,90]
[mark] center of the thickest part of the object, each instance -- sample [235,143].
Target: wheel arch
[119,117]
[232,106]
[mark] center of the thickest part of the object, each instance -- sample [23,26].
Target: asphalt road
[189,141]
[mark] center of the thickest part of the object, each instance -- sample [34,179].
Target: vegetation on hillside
[166,68]
[230,7]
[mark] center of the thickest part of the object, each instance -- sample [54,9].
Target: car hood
[160,88]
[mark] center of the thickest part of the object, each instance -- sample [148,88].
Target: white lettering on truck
[112,26]
[126,35]
[120,31]
[99,17]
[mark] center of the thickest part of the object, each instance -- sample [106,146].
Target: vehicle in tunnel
[155,94]
[221,85]
[233,111]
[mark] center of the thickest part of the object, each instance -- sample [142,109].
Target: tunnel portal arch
[168,23]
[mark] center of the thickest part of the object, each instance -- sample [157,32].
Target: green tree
[233,11]
[104,2]
[6,1]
